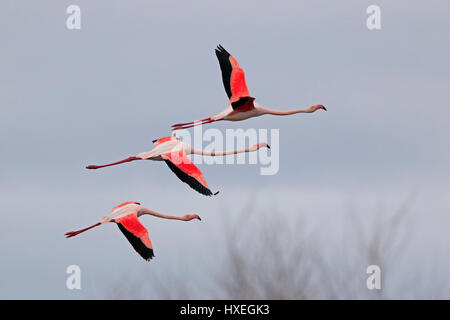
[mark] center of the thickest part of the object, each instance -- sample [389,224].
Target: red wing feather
[186,171]
[136,234]
[237,81]
[165,139]
[233,76]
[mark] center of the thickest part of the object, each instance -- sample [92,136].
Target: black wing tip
[190,181]
[202,189]
[136,243]
[150,256]
[221,50]
[209,193]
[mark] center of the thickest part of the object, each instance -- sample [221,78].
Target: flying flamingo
[174,153]
[241,105]
[126,216]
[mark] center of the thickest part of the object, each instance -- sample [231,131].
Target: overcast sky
[69,98]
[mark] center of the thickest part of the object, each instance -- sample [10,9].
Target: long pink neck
[163,216]
[220,153]
[285,113]
[114,163]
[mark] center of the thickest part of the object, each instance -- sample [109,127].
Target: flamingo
[241,105]
[174,153]
[126,217]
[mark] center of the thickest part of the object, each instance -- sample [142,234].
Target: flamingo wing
[186,171]
[136,234]
[162,140]
[233,78]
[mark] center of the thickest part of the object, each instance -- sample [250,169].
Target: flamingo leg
[209,120]
[189,123]
[74,233]
[114,163]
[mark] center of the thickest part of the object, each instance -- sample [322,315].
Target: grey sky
[99,94]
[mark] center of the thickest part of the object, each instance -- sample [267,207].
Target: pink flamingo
[174,153]
[126,217]
[241,105]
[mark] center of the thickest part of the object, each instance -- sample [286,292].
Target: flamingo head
[258,146]
[317,107]
[190,217]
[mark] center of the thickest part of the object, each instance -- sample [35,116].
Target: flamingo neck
[220,153]
[160,215]
[284,113]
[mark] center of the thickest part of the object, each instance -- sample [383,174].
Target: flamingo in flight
[174,153]
[241,105]
[126,217]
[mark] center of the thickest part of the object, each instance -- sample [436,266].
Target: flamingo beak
[199,218]
[268,147]
[324,108]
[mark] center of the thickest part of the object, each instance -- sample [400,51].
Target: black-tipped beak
[199,218]
[325,109]
[268,147]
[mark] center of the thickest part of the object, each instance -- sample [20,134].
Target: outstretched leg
[192,124]
[189,123]
[114,163]
[74,233]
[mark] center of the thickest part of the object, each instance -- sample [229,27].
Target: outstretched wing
[233,78]
[136,234]
[186,171]
[162,140]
